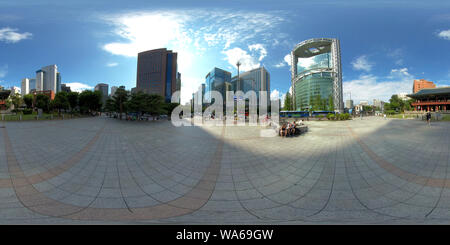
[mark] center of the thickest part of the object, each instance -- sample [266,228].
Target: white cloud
[10,35]
[397,55]
[79,87]
[362,63]
[258,48]
[281,64]
[193,33]
[112,64]
[3,70]
[287,59]
[444,34]
[236,54]
[369,87]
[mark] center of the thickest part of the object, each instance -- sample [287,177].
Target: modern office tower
[316,73]
[254,80]
[47,79]
[421,84]
[65,88]
[349,104]
[50,78]
[217,80]
[25,86]
[32,82]
[157,72]
[113,91]
[103,88]
[39,80]
[58,82]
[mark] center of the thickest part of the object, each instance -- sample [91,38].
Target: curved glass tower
[317,75]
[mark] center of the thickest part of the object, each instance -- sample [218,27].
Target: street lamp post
[239,82]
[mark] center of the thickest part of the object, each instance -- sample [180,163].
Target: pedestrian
[429,119]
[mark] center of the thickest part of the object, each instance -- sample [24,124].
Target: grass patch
[44,116]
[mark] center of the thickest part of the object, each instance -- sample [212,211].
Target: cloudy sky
[384,45]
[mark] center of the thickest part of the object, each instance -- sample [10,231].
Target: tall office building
[58,82]
[316,73]
[421,84]
[39,80]
[48,78]
[65,88]
[113,90]
[349,104]
[25,86]
[254,80]
[103,88]
[157,73]
[217,80]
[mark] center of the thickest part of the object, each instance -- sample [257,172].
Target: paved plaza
[101,170]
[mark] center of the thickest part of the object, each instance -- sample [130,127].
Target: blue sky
[384,45]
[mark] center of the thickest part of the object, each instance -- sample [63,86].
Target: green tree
[72,97]
[110,106]
[16,100]
[120,98]
[90,101]
[42,102]
[288,102]
[28,99]
[330,103]
[60,102]
[156,105]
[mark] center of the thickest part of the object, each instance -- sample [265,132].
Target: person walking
[429,119]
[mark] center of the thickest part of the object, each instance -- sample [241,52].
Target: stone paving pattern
[101,170]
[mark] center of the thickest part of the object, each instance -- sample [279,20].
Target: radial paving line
[36,201]
[391,168]
[51,172]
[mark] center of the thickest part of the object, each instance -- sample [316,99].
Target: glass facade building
[254,80]
[316,74]
[157,73]
[217,80]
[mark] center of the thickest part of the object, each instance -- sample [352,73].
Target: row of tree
[397,105]
[91,101]
[140,103]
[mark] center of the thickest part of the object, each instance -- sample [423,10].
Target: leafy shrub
[330,116]
[27,111]
[345,116]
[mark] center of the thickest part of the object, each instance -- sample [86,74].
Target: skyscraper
[316,74]
[157,73]
[25,86]
[113,90]
[103,88]
[217,80]
[48,78]
[254,80]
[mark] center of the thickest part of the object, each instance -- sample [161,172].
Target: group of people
[288,129]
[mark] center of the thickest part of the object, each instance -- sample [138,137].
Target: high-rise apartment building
[421,84]
[157,73]
[25,86]
[103,88]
